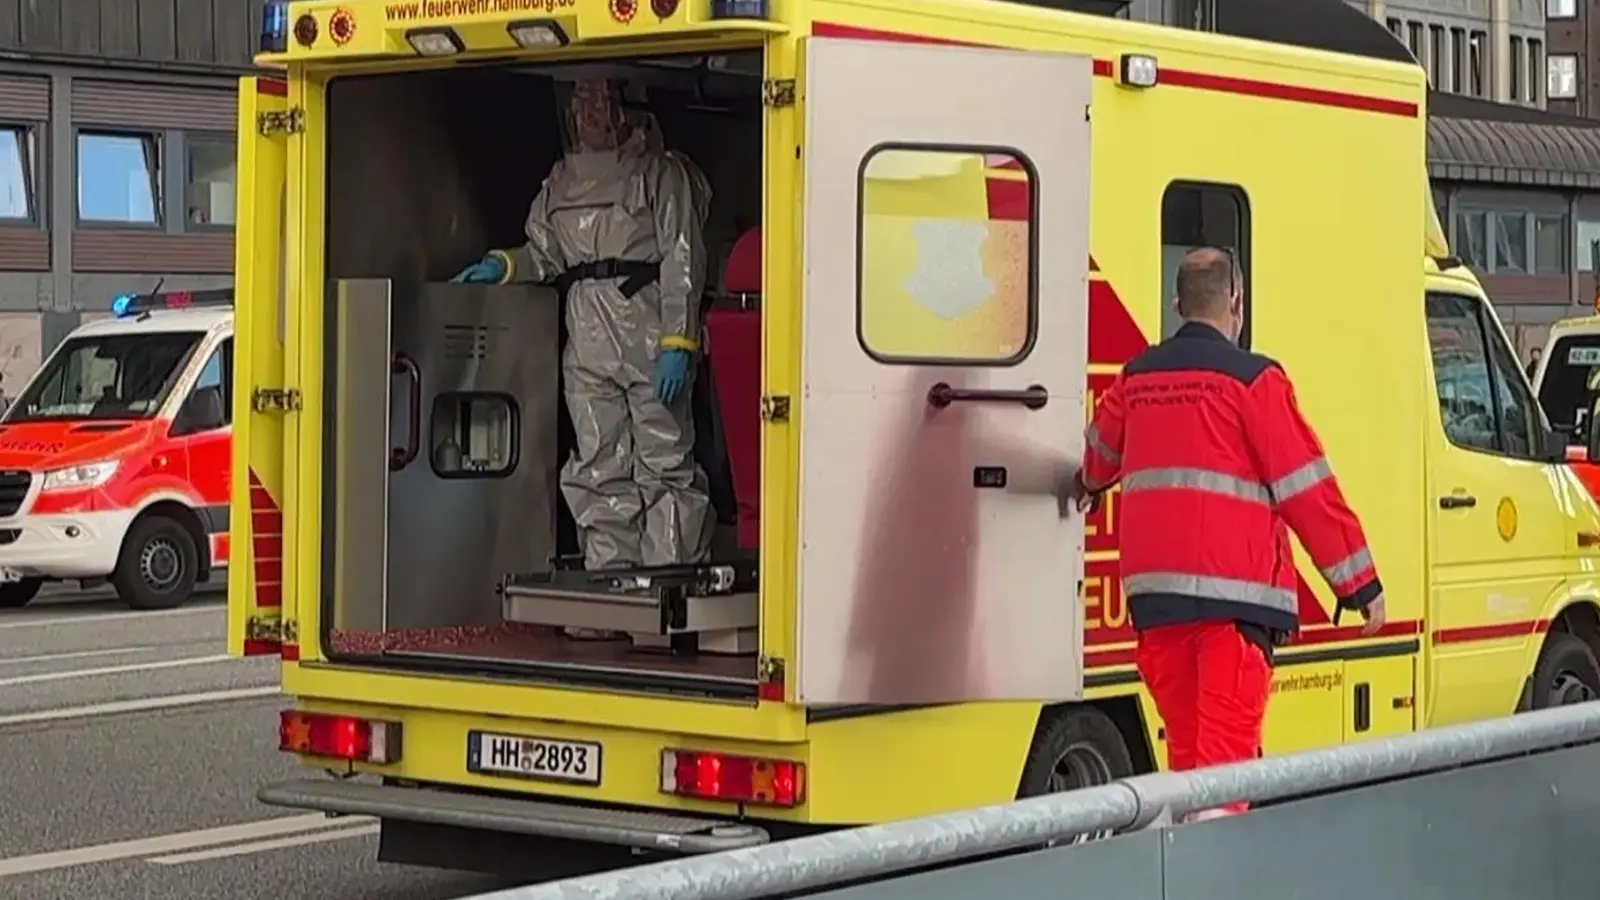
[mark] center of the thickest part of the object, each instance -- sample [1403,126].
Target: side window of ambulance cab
[218,373]
[1201,214]
[1484,401]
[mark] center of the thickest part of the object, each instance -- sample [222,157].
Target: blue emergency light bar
[740,9]
[129,305]
[275,26]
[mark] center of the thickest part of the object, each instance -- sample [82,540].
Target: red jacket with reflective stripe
[1217,465]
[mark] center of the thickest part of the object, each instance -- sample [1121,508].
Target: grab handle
[941,395]
[400,457]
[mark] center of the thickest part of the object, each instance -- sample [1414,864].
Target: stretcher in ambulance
[114,459]
[949,269]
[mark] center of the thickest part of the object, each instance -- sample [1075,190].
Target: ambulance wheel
[158,566]
[1075,747]
[1567,672]
[17,594]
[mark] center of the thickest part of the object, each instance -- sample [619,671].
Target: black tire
[1567,672]
[17,594]
[158,566]
[1075,747]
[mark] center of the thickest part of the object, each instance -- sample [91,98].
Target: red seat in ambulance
[733,332]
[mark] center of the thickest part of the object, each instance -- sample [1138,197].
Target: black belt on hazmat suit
[636,275]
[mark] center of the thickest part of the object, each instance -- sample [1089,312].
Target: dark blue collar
[1202,331]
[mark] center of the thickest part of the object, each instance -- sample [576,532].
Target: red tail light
[338,737]
[737,779]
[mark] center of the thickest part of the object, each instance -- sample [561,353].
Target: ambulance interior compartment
[425,172]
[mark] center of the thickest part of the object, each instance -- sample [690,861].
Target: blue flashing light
[122,307]
[275,26]
[740,9]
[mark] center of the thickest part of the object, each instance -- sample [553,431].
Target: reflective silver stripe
[1196,480]
[1091,436]
[1349,567]
[1231,589]
[1301,479]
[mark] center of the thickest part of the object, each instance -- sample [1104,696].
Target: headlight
[88,475]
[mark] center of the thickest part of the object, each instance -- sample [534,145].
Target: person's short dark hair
[1207,278]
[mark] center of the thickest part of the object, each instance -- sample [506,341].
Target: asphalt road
[132,747]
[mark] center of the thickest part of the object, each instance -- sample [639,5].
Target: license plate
[533,757]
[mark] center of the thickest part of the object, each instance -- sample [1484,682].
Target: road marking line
[116,670]
[76,654]
[166,843]
[283,843]
[143,704]
[107,617]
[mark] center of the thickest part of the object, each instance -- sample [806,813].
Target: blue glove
[672,374]
[489,270]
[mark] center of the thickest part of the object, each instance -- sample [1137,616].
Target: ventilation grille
[472,341]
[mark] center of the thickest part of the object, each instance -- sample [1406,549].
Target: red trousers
[1210,685]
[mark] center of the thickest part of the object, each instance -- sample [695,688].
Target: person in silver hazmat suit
[618,228]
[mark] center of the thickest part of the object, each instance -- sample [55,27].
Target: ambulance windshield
[1564,392]
[115,376]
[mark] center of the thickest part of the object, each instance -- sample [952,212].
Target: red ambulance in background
[114,460]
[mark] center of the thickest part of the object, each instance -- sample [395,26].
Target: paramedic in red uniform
[1217,466]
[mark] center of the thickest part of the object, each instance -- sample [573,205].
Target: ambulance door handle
[400,457]
[941,395]
[1458,501]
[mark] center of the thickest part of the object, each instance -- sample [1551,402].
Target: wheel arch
[186,516]
[1126,712]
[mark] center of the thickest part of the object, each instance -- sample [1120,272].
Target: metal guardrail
[884,851]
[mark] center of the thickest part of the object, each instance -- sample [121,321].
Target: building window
[936,285]
[1475,63]
[1484,400]
[1510,243]
[1458,60]
[119,178]
[1550,245]
[1535,66]
[1203,215]
[1397,28]
[1561,82]
[1588,245]
[1438,68]
[1519,77]
[17,173]
[1470,235]
[212,182]
[1560,9]
[1414,41]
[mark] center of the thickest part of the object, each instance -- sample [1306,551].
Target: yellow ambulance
[940,230]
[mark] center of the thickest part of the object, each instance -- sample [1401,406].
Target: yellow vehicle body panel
[1449,653]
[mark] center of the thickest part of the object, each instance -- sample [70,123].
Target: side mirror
[1556,441]
[203,411]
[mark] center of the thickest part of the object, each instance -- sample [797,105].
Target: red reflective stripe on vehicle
[1496,631]
[1308,637]
[257,647]
[266,521]
[1203,81]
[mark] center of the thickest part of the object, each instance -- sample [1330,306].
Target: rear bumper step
[625,828]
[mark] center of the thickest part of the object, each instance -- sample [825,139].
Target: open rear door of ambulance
[944,369]
[256,620]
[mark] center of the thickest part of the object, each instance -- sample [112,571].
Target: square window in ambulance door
[1493,503]
[1199,214]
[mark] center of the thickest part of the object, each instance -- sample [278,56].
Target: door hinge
[778,92]
[775,408]
[284,121]
[283,400]
[272,630]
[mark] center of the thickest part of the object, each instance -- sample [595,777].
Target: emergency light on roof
[435,41]
[129,305]
[1138,71]
[739,9]
[275,26]
[540,34]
